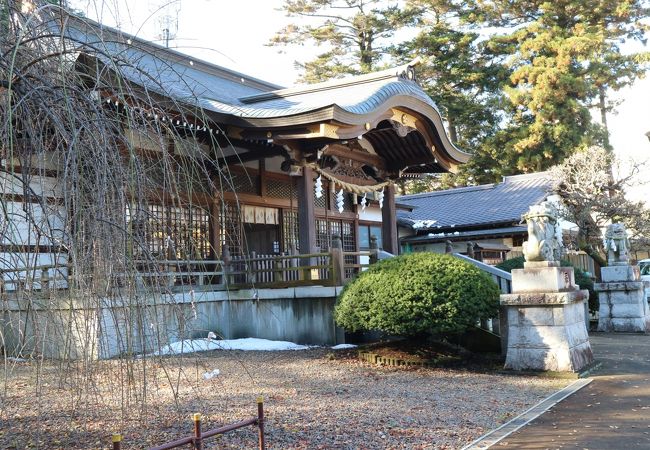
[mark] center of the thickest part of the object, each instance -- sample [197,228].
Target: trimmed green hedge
[582,279]
[416,294]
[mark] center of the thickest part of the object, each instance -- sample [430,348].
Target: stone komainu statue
[542,243]
[617,245]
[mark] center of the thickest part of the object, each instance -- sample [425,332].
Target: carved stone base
[546,320]
[623,304]
[543,279]
[547,336]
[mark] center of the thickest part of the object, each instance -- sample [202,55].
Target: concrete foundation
[62,327]
[622,297]
[546,320]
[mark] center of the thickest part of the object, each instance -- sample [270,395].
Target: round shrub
[582,278]
[416,294]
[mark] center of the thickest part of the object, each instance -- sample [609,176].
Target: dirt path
[312,401]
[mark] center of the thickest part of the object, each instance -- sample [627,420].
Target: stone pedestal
[546,320]
[623,304]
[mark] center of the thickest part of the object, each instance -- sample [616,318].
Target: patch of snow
[14,359]
[428,223]
[246,344]
[343,346]
[210,375]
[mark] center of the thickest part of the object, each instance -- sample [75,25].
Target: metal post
[260,421]
[198,442]
[117,441]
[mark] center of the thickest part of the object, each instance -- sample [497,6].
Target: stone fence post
[374,249]
[338,267]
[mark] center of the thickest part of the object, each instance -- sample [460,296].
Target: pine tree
[564,56]
[354,34]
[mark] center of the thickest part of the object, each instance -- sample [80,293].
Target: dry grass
[312,401]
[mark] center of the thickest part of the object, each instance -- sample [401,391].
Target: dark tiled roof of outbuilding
[497,203]
[434,236]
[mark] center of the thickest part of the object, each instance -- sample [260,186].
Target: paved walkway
[612,412]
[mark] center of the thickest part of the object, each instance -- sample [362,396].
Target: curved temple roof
[353,106]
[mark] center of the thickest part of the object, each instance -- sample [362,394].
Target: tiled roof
[232,98]
[499,203]
[221,90]
[434,236]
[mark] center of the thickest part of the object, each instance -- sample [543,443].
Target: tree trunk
[602,106]
[591,251]
[453,133]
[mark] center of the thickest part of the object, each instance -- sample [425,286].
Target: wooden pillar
[215,228]
[306,218]
[389,221]
[262,177]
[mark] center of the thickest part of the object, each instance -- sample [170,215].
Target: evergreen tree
[354,34]
[519,99]
[564,56]
[460,76]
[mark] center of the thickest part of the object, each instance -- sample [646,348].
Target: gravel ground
[312,400]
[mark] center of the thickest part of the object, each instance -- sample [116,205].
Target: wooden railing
[355,262]
[272,271]
[333,268]
[34,278]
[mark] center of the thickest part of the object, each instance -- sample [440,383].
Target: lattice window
[325,229]
[289,230]
[348,237]
[322,202]
[280,189]
[242,183]
[322,235]
[349,245]
[189,232]
[335,228]
[181,232]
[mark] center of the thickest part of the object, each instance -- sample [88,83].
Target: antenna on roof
[166,17]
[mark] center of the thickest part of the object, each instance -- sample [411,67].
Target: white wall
[371,214]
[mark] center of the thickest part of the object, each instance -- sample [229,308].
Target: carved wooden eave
[403,114]
[399,138]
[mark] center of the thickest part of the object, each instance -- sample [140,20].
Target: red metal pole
[260,421]
[198,442]
[117,441]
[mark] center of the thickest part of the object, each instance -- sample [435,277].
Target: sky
[233,34]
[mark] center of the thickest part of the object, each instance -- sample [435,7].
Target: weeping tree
[75,200]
